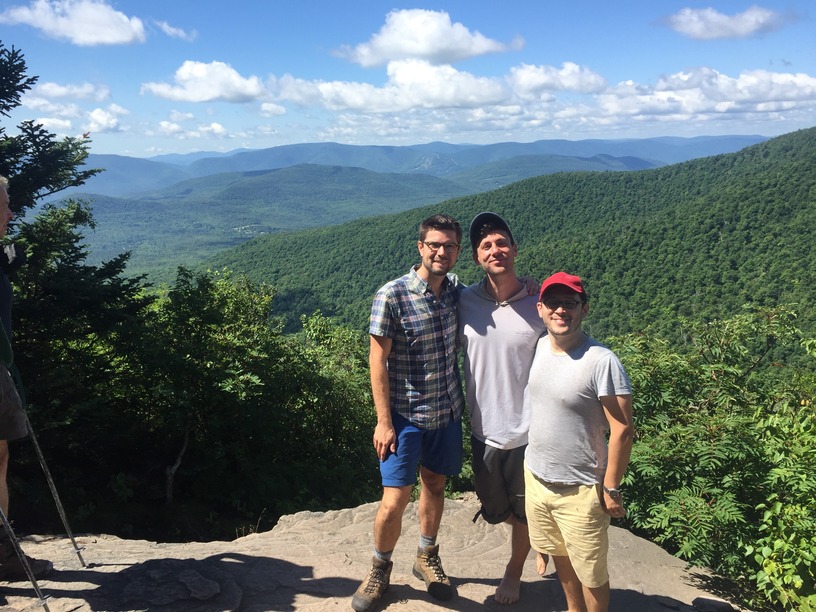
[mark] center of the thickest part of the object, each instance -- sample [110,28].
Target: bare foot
[541,563]
[508,591]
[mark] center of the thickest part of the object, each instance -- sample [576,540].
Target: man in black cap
[498,332]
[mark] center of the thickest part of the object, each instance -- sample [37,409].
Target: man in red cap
[578,392]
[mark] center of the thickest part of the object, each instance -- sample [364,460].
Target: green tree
[36,161]
[71,321]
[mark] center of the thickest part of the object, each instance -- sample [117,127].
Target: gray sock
[383,556]
[426,541]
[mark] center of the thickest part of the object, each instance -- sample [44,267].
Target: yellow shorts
[569,521]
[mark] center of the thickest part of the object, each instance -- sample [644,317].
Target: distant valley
[182,209]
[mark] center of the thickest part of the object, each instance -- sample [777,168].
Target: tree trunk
[171,470]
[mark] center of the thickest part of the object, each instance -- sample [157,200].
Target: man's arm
[385,439]
[618,412]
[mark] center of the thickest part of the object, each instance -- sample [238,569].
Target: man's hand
[530,284]
[12,256]
[613,504]
[385,440]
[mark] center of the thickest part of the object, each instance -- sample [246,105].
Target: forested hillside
[189,221]
[185,222]
[696,239]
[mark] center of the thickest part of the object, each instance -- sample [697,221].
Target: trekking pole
[77,549]
[23,560]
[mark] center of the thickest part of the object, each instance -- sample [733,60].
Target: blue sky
[147,77]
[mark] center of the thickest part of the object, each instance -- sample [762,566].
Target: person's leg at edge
[573,589]
[597,599]
[388,522]
[508,591]
[4,461]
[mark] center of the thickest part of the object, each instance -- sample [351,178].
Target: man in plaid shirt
[418,396]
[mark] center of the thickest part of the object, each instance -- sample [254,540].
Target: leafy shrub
[722,469]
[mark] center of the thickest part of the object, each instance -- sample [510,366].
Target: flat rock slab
[315,560]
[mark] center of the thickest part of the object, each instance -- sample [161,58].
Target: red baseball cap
[570,281]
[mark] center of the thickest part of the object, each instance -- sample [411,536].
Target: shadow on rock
[221,582]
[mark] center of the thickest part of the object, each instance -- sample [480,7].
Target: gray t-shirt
[568,427]
[498,341]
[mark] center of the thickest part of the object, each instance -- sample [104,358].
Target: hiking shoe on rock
[373,587]
[428,567]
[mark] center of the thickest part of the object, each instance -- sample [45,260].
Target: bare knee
[394,501]
[432,482]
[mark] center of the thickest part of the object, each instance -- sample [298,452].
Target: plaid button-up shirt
[423,374]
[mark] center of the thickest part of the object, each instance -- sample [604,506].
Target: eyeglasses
[553,304]
[435,246]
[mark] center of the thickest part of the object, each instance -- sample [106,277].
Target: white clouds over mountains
[424,79]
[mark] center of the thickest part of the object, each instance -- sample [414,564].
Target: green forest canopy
[697,239]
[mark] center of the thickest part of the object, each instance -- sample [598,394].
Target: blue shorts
[438,450]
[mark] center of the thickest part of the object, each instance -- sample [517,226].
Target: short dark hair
[440,223]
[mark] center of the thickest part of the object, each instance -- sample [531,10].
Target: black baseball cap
[490,219]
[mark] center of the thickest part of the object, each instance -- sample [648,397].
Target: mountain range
[180,209]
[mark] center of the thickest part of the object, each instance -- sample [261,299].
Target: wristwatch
[613,493]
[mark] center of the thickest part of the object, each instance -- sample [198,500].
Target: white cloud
[422,34]
[421,84]
[710,24]
[270,109]
[411,84]
[213,129]
[174,32]
[180,116]
[85,91]
[58,126]
[82,22]
[54,109]
[704,91]
[199,82]
[101,120]
[544,101]
[529,81]
[169,128]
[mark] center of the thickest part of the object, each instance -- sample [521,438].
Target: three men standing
[541,406]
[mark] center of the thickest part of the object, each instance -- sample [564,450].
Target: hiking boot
[373,587]
[428,567]
[11,568]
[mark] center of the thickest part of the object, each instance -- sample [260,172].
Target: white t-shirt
[568,425]
[498,342]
